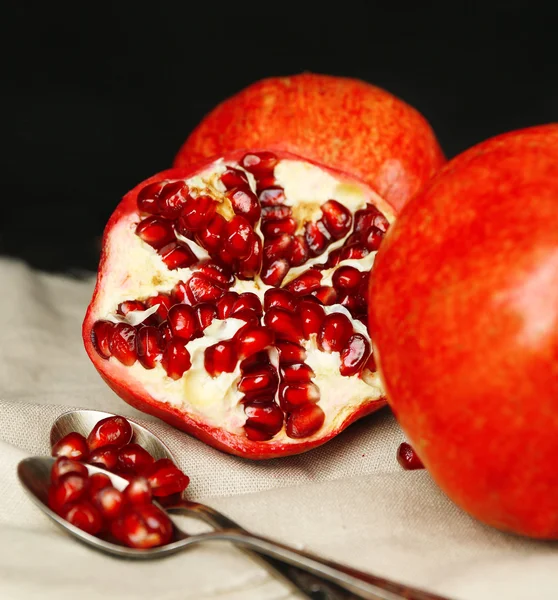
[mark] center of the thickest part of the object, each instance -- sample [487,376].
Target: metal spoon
[313,582]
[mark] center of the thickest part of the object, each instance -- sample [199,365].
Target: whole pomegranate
[345,123]
[464,318]
[231,301]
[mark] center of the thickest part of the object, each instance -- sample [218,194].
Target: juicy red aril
[138,491]
[312,316]
[354,252]
[272,196]
[64,465]
[249,267]
[260,164]
[202,289]
[183,321]
[122,344]
[142,526]
[248,316]
[148,198]
[305,421]
[172,199]
[275,227]
[73,445]
[317,237]
[225,304]
[110,502]
[274,272]
[247,300]
[134,459]
[281,298]
[266,418]
[84,516]
[220,358]
[337,218]
[205,313]
[232,178]
[176,358]
[97,481]
[166,333]
[354,355]
[408,458]
[326,295]
[100,337]
[276,212]
[290,352]
[104,457]
[239,237]
[164,303]
[69,489]
[250,340]
[245,202]
[177,255]
[196,214]
[373,239]
[167,479]
[278,247]
[155,231]
[285,324]
[299,251]
[296,372]
[111,431]
[149,346]
[335,332]
[217,273]
[258,381]
[130,306]
[211,237]
[306,283]
[346,278]
[292,395]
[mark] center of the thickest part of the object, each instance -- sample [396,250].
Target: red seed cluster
[94,505]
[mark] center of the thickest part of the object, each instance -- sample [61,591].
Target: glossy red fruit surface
[345,123]
[464,321]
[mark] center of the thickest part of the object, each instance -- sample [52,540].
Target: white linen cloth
[348,500]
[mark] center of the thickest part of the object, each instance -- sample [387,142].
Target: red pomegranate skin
[117,376]
[344,123]
[464,314]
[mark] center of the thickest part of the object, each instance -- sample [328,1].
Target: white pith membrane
[137,272]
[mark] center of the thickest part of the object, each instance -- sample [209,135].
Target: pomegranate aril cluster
[94,505]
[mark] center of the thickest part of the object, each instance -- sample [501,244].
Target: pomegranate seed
[335,333]
[167,479]
[176,359]
[172,199]
[317,237]
[273,273]
[354,252]
[225,304]
[98,481]
[272,196]
[304,284]
[247,300]
[312,316]
[256,435]
[305,421]
[265,183]
[143,526]
[255,361]
[150,347]
[100,337]
[266,417]
[276,212]
[346,278]
[205,313]
[238,238]
[247,315]
[260,164]
[262,379]
[220,358]
[354,355]
[281,298]
[110,431]
[349,301]
[232,178]
[202,289]
[334,257]
[123,344]
[279,247]
[293,395]
[373,239]
[285,324]
[408,458]
[299,251]
[68,489]
[84,516]
[130,306]
[165,332]
[275,227]
[183,321]
[109,502]
[148,198]
[364,218]
[251,266]
[211,237]
[155,231]
[104,457]
[219,274]
[245,202]
[64,465]
[337,218]
[72,445]
[296,372]
[177,255]
[138,491]
[381,222]
[250,340]
[290,352]
[196,214]
[134,459]
[326,295]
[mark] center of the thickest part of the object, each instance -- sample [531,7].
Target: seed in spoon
[73,445]
[115,431]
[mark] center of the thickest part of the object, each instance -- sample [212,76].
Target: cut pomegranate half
[231,301]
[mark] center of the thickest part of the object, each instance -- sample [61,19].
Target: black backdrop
[98,99]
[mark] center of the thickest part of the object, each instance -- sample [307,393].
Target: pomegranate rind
[118,376]
[345,123]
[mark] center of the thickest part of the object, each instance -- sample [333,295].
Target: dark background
[97,100]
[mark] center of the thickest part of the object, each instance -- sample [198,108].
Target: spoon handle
[362,585]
